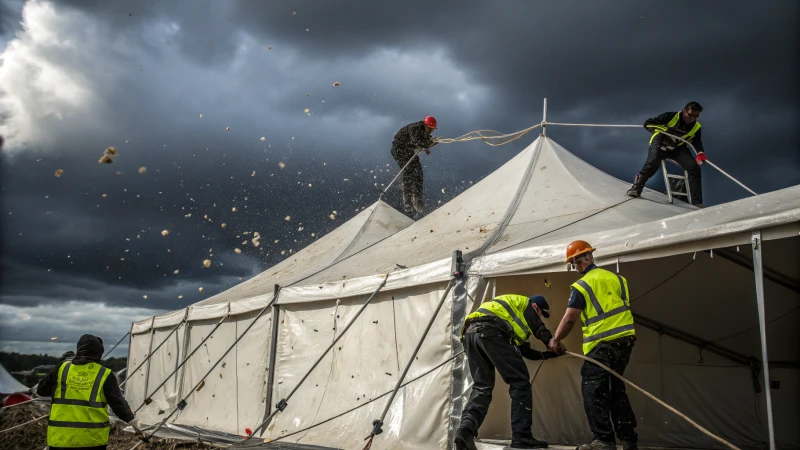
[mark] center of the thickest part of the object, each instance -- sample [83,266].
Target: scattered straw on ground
[34,436]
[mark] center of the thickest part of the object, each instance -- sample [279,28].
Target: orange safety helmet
[430,121]
[576,248]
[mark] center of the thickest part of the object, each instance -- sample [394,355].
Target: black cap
[542,304]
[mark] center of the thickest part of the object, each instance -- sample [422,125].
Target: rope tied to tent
[655,399]
[115,345]
[284,401]
[148,398]
[24,424]
[201,383]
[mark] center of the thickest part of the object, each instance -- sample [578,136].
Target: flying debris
[176,271]
[237,250]
[145,297]
[233,209]
[126,141]
[287,218]
[142,169]
[180,296]
[305,110]
[255,239]
[105,159]
[207,263]
[224,225]
[263,138]
[188,215]
[332,217]
[200,289]
[227,128]
[59,172]
[165,232]
[201,116]
[335,84]
[253,174]
[269,48]
[280,164]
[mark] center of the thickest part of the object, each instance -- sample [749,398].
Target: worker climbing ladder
[681,182]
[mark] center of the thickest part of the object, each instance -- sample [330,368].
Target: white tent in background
[513,227]
[9,384]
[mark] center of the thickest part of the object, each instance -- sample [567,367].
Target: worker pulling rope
[654,398]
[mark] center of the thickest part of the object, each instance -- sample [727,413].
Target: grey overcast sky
[83,252]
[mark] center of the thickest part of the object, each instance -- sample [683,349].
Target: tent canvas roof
[517,219]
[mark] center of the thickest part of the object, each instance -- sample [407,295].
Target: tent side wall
[709,297]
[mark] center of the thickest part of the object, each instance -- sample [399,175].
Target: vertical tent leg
[149,354]
[758,270]
[273,351]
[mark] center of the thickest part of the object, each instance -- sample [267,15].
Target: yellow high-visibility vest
[607,315]
[79,415]
[688,136]
[510,308]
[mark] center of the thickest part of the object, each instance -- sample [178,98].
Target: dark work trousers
[486,350]
[604,397]
[681,155]
[412,176]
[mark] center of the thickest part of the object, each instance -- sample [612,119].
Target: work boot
[637,188]
[465,440]
[629,446]
[598,445]
[531,442]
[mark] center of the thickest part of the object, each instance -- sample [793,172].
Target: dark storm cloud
[144,71]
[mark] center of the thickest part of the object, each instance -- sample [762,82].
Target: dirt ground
[34,436]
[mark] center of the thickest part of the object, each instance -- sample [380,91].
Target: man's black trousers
[486,350]
[412,176]
[604,398]
[681,155]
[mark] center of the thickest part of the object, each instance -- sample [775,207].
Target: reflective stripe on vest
[79,412]
[509,308]
[688,136]
[607,314]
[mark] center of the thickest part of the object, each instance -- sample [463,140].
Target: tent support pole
[758,270]
[273,354]
[149,354]
[544,119]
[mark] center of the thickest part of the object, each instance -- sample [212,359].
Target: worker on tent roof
[685,125]
[408,142]
[496,336]
[602,300]
[82,390]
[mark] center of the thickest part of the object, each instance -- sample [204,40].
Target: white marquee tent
[693,280]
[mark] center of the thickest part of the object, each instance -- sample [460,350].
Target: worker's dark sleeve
[576,300]
[663,119]
[697,141]
[115,399]
[535,355]
[538,328]
[420,138]
[47,387]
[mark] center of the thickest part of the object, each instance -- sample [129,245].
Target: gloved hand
[550,355]
[134,423]
[700,158]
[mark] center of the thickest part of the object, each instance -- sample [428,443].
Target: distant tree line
[16,362]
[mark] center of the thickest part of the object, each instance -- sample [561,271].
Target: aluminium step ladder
[681,182]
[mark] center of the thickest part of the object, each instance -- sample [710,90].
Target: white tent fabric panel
[364,364]
[252,360]
[214,406]
[368,227]
[163,362]
[9,384]
[139,348]
[463,223]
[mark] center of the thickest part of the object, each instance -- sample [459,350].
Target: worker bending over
[408,142]
[602,300]
[496,336]
[685,125]
[82,390]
